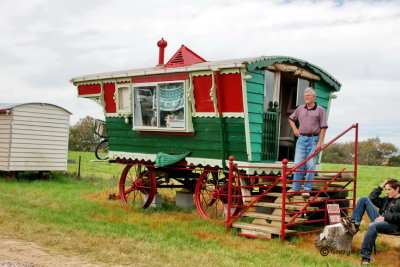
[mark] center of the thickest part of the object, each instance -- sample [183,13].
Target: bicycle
[101,151]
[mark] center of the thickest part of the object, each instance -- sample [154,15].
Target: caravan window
[159,106]
[123,99]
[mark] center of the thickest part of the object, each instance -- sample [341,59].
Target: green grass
[368,177]
[74,216]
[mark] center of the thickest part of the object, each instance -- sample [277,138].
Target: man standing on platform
[311,134]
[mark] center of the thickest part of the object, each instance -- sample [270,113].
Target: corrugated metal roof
[6,106]
[251,62]
[208,65]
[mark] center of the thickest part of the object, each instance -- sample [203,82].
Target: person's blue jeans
[305,146]
[364,204]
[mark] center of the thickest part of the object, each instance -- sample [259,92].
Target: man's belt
[309,135]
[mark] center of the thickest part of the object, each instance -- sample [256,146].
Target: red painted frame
[283,178]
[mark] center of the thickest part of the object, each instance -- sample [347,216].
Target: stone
[335,237]
[184,199]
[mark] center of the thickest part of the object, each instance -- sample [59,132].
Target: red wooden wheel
[137,185]
[211,196]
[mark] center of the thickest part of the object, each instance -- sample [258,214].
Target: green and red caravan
[190,119]
[208,109]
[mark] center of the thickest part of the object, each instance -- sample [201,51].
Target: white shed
[33,137]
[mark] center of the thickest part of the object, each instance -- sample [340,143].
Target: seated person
[386,220]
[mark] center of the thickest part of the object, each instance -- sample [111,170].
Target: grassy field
[74,216]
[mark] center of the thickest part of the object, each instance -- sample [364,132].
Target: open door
[283,93]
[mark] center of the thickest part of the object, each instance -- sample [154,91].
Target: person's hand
[380,219]
[318,147]
[296,132]
[384,183]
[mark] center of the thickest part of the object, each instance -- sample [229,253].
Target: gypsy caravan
[183,119]
[213,109]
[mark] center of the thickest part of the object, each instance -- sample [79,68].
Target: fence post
[79,167]
[284,174]
[228,219]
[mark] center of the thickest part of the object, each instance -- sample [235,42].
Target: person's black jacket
[391,215]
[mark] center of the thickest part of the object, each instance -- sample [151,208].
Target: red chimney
[162,44]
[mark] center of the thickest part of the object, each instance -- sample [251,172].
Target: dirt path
[16,253]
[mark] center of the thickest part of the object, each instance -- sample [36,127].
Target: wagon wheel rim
[137,185]
[211,196]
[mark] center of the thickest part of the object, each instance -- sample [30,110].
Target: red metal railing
[234,173]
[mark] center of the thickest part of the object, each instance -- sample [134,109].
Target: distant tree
[339,153]
[373,152]
[370,152]
[394,161]
[82,136]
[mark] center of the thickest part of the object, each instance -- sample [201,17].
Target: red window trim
[160,78]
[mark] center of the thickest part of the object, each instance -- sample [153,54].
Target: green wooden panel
[257,138]
[255,128]
[255,108]
[322,94]
[254,87]
[205,143]
[322,102]
[256,148]
[256,118]
[257,76]
[255,98]
[257,157]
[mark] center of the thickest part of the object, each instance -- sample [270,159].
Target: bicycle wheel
[101,151]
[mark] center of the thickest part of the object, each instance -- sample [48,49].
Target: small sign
[333,213]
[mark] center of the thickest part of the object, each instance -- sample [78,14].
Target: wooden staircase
[267,213]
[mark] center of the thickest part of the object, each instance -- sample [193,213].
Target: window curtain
[171,96]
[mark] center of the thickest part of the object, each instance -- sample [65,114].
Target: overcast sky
[44,43]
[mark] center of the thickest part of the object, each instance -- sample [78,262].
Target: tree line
[370,152]
[82,136]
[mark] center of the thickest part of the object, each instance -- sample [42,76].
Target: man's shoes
[350,225]
[365,261]
[293,192]
[305,195]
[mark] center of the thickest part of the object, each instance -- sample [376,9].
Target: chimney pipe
[162,44]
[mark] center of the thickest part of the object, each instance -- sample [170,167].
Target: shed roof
[8,106]
[251,63]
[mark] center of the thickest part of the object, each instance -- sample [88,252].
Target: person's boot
[350,225]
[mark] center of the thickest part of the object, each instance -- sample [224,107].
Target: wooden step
[338,179]
[288,206]
[300,198]
[255,233]
[260,228]
[294,198]
[271,217]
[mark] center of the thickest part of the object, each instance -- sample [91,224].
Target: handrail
[285,172]
[323,147]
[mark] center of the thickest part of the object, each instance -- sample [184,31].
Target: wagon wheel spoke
[137,185]
[211,195]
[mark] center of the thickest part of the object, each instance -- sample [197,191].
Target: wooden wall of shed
[255,100]
[39,138]
[5,132]
[205,143]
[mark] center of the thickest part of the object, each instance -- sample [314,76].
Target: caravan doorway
[287,90]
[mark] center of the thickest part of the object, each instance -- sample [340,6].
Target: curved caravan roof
[248,63]
[8,106]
